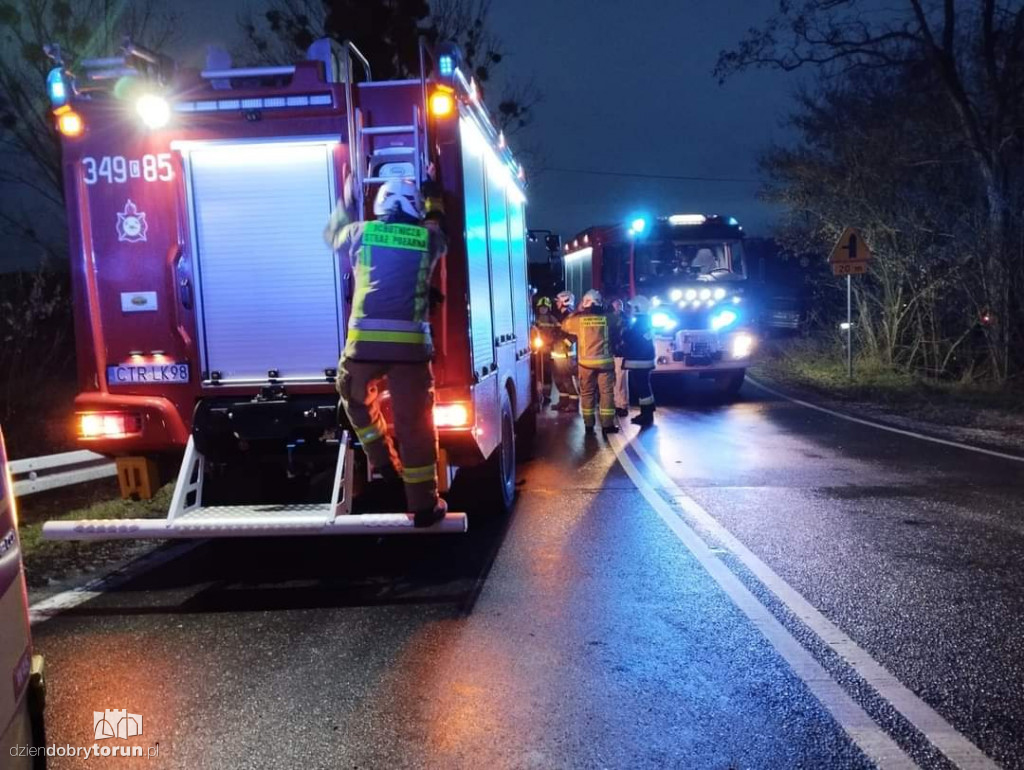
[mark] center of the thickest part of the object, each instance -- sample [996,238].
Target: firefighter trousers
[597,396]
[561,375]
[412,404]
[640,386]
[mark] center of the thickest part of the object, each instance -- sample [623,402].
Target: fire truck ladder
[189,518]
[404,153]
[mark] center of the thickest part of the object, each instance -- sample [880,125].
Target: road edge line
[865,733]
[946,738]
[52,606]
[882,426]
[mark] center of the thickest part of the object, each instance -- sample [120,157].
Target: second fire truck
[692,269]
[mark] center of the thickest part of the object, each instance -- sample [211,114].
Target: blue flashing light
[732,221]
[446,65]
[663,321]
[56,87]
[637,226]
[723,319]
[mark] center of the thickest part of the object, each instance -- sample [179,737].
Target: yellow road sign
[851,247]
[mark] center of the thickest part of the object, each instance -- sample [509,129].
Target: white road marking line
[889,428]
[42,611]
[856,722]
[940,733]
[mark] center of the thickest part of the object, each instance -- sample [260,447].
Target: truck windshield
[663,263]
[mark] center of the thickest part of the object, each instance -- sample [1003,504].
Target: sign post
[849,257]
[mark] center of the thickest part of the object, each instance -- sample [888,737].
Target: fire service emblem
[131,224]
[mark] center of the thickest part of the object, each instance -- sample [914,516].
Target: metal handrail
[362,60]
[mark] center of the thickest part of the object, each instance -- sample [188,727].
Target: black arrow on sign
[851,246]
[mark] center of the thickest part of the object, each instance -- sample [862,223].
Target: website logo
[114,723]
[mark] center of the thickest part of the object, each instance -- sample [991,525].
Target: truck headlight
[662,321]
[723,319]
[743,345]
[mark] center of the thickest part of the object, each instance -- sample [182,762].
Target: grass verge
[47,561]
[820,369]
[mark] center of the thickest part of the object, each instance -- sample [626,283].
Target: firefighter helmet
[565,299]
[544,302]
[402,193]
[640,304]
[592,298]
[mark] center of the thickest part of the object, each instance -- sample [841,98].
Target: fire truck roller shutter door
[268,284]
[481,329]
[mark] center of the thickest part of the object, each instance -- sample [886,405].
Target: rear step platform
[188,518]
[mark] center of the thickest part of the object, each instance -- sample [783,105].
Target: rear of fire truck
[210,313]
[692,269]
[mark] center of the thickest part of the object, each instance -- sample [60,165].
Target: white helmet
[402,193]
[640,304]
[592,298]
[565,299]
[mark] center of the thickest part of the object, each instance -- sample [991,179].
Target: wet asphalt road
[580,632]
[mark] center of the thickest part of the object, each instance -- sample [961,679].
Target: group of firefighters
[392,259]
[610,350]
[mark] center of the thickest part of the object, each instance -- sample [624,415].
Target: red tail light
[108,424]
[454,415]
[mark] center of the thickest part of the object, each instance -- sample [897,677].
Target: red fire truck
[210,313]
[692,269]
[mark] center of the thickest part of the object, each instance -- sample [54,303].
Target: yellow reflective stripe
[559,355]
[590,412]
[368,434]
[606,412]
[364,335]
[592,361]
[419,474]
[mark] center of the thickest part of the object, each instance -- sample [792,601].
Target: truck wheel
[729,383]
[502,472]
[489,489]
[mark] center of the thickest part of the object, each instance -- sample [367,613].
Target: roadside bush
[37,361]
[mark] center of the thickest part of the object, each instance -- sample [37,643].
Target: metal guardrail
[38,474]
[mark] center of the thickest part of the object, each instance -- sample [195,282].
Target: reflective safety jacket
[392,264]
[547,327]
[562,345]
[638,343]
[594,330]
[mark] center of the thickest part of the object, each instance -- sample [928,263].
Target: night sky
[627,87]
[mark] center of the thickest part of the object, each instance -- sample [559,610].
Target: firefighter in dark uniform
[638,358]
[563,358]
[545,329]
[392,260]
[594,330]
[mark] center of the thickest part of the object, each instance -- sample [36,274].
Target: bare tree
[974,52]
[897,173]
[387,31]
[30,152]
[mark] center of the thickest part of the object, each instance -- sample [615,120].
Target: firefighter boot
[646,416]
[430,516]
